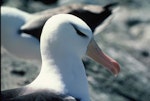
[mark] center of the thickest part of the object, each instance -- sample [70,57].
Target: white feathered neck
[62,48]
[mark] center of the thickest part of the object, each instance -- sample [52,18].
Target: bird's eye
[79,32]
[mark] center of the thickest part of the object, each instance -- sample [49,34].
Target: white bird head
[67,34]
[11,20]
[71,35]
[17,43]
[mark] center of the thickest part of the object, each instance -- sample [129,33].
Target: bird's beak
[97,55]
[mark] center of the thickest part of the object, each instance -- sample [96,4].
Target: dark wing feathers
[18,95]
[93,19]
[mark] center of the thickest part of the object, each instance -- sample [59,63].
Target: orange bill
[97,55]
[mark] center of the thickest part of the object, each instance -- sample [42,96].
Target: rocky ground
[126,39]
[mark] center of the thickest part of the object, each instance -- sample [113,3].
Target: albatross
[21,31]
[62,74]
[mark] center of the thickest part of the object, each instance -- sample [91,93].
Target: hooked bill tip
[116,68]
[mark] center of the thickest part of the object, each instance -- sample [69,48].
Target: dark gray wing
[93,15]
[12,93]
[17,95]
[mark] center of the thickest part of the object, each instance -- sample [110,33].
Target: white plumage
[62,73]
[19,44]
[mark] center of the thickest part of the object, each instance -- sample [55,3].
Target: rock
[47,2]
[18,72]
[145,54]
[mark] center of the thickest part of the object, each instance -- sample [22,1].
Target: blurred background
[126,39]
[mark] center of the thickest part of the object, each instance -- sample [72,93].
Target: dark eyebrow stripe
[79,32]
